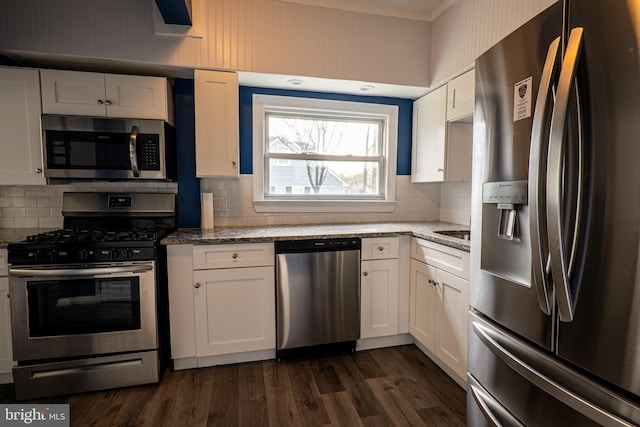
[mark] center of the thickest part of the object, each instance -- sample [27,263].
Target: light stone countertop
[424,230]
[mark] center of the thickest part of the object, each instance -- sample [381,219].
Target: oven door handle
[81,271]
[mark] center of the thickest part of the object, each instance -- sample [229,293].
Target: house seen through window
[316,150]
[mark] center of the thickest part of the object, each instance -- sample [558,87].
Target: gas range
[101,227]
[77,245]
[89,301]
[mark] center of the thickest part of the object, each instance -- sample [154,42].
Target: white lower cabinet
[221,303]
[379,298]
[235,310]
[6,353]
[439,303]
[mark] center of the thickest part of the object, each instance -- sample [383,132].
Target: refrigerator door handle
[492,410]
[560,268]
[500,346]
[537,176]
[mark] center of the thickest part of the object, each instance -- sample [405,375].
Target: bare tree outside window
[313,136]
[340,156]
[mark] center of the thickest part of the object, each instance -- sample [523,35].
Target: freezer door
[604,335]
[508,79]
[513,383]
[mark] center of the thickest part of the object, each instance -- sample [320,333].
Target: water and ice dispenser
[505,230]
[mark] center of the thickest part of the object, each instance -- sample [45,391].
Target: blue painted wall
[188,197]
[405,117]
[189,186]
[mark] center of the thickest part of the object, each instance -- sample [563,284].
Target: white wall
[263,36]
[470,27]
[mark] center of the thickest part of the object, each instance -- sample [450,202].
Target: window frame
[388,114]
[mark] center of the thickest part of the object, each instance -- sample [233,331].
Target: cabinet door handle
[234,256]
[108,102]
[100,102]
[197,285]
[234,165]
[440,170]
[365,273]
[39,170]
[381,248]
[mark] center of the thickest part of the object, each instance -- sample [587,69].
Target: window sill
[322,206]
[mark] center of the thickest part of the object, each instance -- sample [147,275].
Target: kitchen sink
[457,234]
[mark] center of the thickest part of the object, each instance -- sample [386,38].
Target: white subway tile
[7,223]
[37,191]
[14,212]
[26,222]
[12,191]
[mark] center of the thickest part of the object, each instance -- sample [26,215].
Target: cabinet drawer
[443,257]
[4,270]
[233,255]
[379,248]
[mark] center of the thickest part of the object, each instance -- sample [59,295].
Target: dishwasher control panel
[316,245]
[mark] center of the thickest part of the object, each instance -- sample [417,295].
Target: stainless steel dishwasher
[318,292]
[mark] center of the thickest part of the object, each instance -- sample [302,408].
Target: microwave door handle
[133,151]
[560,268]
[537,174]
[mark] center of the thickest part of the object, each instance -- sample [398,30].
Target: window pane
[311,177]
[289,134]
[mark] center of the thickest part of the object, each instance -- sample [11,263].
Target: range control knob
[128,253]
[50,256]
[83,255]
[115,254]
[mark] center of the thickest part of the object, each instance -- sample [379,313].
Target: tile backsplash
[233,205]
[41,206]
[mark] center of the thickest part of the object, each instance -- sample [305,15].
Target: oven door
[82,310]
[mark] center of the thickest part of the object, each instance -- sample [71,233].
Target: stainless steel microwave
[91,148]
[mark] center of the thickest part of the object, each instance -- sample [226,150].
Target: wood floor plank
[367,365]
[409,380]
[450,395]
[359,391]
[194,396]
[252,396]
[306,394]
[133,410]
[341,410]
[281,405]
[437,417]
[394,403]
[224,405]
[325,376]
[113,401]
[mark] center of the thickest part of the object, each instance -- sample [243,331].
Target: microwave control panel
[149,152]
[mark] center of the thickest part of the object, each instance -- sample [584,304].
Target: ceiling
[425,10]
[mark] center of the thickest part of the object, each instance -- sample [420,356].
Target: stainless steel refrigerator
[554,334]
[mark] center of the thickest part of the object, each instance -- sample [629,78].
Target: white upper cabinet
[429,136]
[443,132]
[105,95]
[461,96]
[216,111]
[21,138]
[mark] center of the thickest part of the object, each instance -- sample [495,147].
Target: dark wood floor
[392,386]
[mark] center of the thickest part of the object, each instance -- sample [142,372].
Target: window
[318,155]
